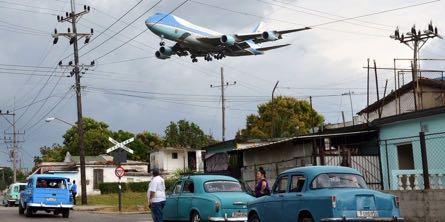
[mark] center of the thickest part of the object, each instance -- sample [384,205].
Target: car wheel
[66,213]
[254,218]
[21,209]
[10,204]
[29,211]
[307,219]
[195,217]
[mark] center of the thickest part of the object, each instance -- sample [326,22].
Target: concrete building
[169,159]
[98,169]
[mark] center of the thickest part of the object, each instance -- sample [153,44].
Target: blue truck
[46,192]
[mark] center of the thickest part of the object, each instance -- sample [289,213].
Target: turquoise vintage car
[11,197]
[207,198]
[323,193]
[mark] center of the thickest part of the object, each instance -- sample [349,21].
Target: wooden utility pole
[223,107]
[13,141]
[377,87]
[73,17]
[272,125]
[367,95]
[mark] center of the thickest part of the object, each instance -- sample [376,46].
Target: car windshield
[338,180]
[222,186]
[22,187]
[51,183]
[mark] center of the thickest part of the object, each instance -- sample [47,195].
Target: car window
[177,188]
[222,186]
[189,187]
[22,187]
[338,180]
[280,185]
[53,183]
[16,189]
[297,183]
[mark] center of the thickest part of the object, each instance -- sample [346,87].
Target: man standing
[74,191]
[156,196]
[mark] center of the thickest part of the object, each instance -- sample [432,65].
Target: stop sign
[119,171]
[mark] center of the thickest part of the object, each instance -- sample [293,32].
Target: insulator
[55,40]
[413,30]
[85,7]
[69,30]
[60,62]
[435,31]
[87,40]
[58,17]
[55,31]
[70,63]
[92,30]
[88,8]
[93,63]
[72,40]
[66,14]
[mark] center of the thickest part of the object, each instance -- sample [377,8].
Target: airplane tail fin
[259,27]
[272,47]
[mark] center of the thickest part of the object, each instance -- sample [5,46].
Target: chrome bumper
[377,219]
[42,205]
[240,219]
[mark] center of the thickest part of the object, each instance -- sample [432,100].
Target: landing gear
[219,56]
[208,58]
[194,59]
[162,43]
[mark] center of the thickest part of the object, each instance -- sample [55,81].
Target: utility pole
[352,107]
[223,106]
[416,39]
[14,141]
[74,37]
[273,111]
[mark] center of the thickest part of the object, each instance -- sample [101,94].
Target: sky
[132,90]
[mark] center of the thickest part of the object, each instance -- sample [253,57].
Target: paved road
[10,214]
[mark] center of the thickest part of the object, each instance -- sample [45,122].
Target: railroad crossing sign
[119,150]
[118,145]
[119,171]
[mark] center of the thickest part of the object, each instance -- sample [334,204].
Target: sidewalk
[104,209]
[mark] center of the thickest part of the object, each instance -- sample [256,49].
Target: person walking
[156,196]
[262,187]
[73,190]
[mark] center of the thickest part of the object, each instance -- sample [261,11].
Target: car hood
[233,200]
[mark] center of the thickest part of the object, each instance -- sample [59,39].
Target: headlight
[217,206]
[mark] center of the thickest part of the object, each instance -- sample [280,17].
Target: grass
[131,201]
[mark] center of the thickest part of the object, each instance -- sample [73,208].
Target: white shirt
[157,185]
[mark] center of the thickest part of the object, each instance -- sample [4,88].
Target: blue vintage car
[207,198]
[46,192]
[323,193]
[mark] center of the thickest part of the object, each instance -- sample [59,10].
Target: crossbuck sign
[121,145]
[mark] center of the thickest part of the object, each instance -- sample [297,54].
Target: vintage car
[46,192]
[11,197]
[207,198]
[323,193]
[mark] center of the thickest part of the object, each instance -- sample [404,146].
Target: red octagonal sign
[119,171]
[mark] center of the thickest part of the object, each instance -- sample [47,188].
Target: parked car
[323,193]
[11,197]
[4,198]
[207,198]
[46,192]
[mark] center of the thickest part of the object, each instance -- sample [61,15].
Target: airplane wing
[255,37]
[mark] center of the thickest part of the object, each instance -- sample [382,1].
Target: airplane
[197,41]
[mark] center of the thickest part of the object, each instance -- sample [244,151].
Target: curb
[117,213]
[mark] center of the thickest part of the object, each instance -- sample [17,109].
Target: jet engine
[228,40]
[164,52]
[270,36]
[159,55]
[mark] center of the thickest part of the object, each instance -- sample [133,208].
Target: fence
[414,163]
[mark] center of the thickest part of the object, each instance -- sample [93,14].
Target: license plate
[239,214]
[364,213]
[50,199]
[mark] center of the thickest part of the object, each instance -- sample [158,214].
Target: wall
[164,161]
[435,144]
[421,206]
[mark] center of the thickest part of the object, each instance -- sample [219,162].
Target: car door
[273,204]
[293,199]
[171,204]
[185,199]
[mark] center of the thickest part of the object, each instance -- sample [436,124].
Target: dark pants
[74,197]
[156,211]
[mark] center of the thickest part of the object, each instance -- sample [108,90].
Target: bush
[106,188]
[138,187]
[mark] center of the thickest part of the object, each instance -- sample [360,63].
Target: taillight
[397,201]
[334,201]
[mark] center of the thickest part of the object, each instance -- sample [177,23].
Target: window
[53,183]
[175,156]
[98,178]
[297,183]
[177,188]
[338,180]
[222,186]
[281,185]
[405,156]
[189,187]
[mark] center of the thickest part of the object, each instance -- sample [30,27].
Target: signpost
[119,151]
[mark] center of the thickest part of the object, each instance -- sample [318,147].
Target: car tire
[195,217]
[254,218]
[21,209]
[307,219]
[66,213]
[28,211]
[10,204]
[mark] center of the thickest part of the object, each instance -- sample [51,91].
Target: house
[430,94]
[401,150]
[170,159]
[216,158]
[98,169]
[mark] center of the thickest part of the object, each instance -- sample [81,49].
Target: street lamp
[82,163]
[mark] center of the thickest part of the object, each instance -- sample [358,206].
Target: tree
[96,138]
[6,177]
[143,144]
[186,134]
[284,117]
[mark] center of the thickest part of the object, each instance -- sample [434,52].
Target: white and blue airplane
[197,41]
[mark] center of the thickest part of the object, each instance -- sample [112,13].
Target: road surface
[10,214]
